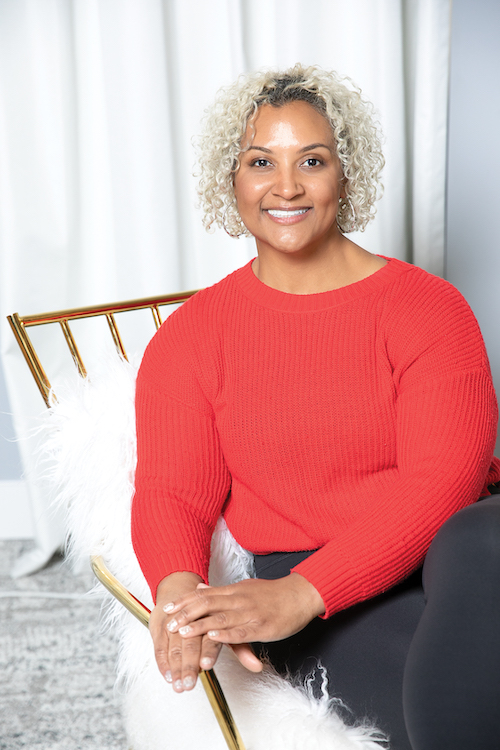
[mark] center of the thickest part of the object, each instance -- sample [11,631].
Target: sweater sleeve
[446,429]
[181,478]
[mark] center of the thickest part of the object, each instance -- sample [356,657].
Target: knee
[469,541]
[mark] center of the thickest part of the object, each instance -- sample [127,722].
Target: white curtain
[99,103]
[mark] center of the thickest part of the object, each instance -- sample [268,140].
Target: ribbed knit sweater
[353,422]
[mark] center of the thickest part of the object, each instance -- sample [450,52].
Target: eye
[313,161]
[261,162]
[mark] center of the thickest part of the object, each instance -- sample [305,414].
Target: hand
[179,661]
[251,610]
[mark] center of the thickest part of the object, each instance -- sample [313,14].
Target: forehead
[293,123]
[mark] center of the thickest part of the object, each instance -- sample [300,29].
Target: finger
[184,660]
[161,655]
[200,605]
[240,634]
[177,604]
[199,597]
[247,657]
[209,653]
[161,644]
[218,621]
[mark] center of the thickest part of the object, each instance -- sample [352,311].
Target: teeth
[284,214]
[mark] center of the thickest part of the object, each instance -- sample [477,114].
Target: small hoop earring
[345,203]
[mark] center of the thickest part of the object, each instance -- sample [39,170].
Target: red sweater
[354,422]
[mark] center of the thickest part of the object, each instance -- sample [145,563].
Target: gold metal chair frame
[19,324]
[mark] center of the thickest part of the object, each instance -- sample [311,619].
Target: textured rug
[57,669]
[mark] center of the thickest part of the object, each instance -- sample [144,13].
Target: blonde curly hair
[352,121]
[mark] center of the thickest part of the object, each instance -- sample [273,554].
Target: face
[289,181]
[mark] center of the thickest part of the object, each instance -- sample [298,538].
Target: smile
[285,213]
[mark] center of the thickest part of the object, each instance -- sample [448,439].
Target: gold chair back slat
[156,316]
[73,348]
[115,333]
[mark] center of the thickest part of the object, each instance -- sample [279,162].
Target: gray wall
[473,201]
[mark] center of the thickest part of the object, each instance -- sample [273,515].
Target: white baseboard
[15,512]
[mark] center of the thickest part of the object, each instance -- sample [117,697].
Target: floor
[56,666]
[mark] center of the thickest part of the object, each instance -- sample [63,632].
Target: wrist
[309,595]
[176,584]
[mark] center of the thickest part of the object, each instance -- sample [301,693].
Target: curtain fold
[427,30]
[99,104]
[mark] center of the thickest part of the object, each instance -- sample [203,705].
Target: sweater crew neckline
[274,299]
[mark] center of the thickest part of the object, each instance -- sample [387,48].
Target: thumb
[247,657]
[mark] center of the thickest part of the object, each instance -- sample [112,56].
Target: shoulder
[192,328]
[427,318]
[418,293]
[412,282]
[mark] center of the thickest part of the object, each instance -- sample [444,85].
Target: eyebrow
[311,147]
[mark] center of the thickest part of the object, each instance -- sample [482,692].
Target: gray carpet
[56,666]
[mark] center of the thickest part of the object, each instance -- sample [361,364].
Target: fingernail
[213,633]
[178,686]
[188,682]
[169,607]
[168,675]
[206,662]
[185,629]
[172,625]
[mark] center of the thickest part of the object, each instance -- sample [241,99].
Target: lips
[288,216]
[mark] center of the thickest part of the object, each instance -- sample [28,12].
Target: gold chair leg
[208,678]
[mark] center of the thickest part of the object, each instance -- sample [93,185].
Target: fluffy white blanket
[89,449]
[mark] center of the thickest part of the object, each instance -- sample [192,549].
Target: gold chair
[19,325]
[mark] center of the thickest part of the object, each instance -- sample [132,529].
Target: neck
[340,266]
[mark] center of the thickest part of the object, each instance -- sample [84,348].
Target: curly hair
[352,121]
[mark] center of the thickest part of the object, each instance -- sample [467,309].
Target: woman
[337,408]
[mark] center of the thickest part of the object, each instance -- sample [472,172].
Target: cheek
[249,194]
[331,196]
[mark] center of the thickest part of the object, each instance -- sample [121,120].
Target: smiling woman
[337,409]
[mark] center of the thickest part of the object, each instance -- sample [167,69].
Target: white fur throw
[89,442]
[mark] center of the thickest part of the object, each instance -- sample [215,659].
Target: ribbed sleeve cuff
[333,577]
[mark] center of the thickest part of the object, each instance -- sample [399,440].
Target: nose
[287,183]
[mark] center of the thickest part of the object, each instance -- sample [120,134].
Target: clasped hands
[191,621]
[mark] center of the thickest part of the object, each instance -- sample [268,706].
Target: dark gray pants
[423,662]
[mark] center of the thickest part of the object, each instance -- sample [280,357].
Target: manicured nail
[172,626]
[185,629]
[169,607]
[188,683]
[178,686]
[213,633]
[206,662]
[168,675]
